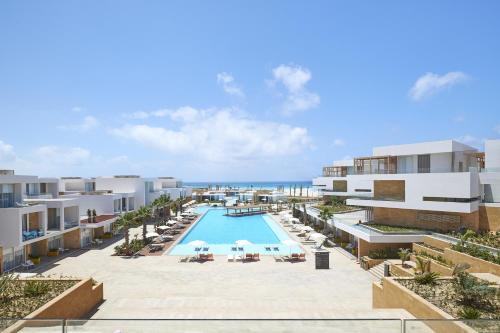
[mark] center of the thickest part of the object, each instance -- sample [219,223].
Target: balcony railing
[32,234]
[70,224]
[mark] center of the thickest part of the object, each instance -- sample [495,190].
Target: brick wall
[408,218]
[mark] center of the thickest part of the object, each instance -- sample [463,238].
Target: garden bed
[445,295]
[384,228]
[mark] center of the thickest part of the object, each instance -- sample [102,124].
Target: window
[362,190]
[444,199]
[424,163]
[6,195]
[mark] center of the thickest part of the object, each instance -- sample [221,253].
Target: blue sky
[239,90]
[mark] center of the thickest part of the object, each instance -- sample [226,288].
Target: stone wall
[340,185]
[408,218]
[74,303]
[489,218]
[390,294]
[477,265]
[365,247]
[394,189]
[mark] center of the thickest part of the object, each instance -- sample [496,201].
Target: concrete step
[377,271]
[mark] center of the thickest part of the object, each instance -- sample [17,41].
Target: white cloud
[77,109]
[294,79]
[219,136]
[57,155]
[6,152]
[338,142]
[88,123]
[470,140]
[459,118]
[430,83]
[227,82]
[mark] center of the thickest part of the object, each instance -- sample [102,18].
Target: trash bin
[322,259]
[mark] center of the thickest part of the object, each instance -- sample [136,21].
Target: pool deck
[162,287]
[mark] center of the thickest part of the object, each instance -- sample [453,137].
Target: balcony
[70,224]
[32,234]
[335,171]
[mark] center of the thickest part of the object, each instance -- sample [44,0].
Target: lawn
[391,228]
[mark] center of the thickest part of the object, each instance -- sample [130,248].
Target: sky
[239,90]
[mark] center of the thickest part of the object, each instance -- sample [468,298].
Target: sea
[257,185]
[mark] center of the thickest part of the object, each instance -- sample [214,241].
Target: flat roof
[432,147]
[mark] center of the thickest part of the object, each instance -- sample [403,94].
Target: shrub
[469,313]
[6,284]
[34,288]
[404,255]
[473,292]
[476,251]
[427,278]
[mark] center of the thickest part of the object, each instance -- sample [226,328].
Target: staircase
[377,271]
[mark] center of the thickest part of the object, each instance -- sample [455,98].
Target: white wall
[124,185]
[492,154]
[448,185]
[440,162]
[10,227]
[103,204]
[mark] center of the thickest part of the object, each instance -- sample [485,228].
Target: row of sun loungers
[247,257]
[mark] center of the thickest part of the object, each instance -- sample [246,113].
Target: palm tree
[143,215]
[404,255]
[294,201]
[324,215]
[423,265]
[124,223]
[304,217]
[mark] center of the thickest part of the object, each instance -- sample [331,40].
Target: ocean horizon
[256,185]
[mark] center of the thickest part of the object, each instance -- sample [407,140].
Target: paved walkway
[162,287]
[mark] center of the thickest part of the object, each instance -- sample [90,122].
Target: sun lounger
[205,249]
[302,257]
[256,257]
[230,257]
[249,257]
[240,249]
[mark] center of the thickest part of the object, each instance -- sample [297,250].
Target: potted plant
[53,253]
[89,216]
[35,259]
[94,215]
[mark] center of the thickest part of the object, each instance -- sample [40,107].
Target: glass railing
[238,325]
[251,325]
[448,325]
[70,224]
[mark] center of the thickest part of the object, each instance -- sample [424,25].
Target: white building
[42,214]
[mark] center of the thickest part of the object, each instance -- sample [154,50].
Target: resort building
[431,186]
[169,186]
[40,215]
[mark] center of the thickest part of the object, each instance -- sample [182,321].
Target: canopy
[318,237]
[197,243]
[289,242]
[242,242]
[164,227]
[306,228]
[152,234]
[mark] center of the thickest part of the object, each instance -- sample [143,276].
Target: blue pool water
[221,232]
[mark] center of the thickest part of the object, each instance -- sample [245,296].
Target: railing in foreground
[251,325]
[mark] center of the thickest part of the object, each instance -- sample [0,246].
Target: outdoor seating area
[27,235]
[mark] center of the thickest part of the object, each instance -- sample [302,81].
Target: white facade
[437,176]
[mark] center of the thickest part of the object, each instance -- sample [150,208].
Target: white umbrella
[317,237]
[164,227]
[306,228]
[242,242]
[289,243]
[152,234]
[294,220]
[197,244]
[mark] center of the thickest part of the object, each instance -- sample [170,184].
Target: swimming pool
[221,232]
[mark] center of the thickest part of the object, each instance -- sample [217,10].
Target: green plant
[34,288]
[475,251]
[459,268]
[423,265]
[473,292]
[469,313]
[427,278]
[404,255]
[6,284]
